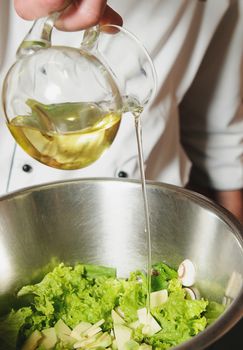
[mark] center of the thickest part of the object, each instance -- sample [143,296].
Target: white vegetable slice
[145,347]
[187,273]
[78,330]
[122,334]
[193,293]
[151,326]
[62,328]
[158,298]
[131,345]
[142,315]
[103,341]
[114,344]
[190,293]
[63,333]
[94,329]
[49,339]
[86,342]
[120,312]
[32,342]
[117,319]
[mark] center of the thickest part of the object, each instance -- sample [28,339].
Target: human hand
[75,14]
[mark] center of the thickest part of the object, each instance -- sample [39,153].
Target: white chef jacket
[196,47]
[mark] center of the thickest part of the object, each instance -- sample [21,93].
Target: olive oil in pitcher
[66,135]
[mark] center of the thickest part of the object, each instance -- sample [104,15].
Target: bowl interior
[101,221]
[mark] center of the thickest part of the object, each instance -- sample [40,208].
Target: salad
[89,307]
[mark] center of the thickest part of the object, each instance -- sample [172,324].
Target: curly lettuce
[89,293]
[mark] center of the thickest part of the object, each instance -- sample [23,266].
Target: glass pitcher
[63,104]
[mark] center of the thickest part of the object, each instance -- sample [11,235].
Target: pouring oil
[138,128]
[133,106]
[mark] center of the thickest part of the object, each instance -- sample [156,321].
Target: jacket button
[122,174]
[27,168]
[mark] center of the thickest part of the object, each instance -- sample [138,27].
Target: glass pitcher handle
[39,35]
[90,38]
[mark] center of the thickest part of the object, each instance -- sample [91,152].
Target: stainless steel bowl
[102,221]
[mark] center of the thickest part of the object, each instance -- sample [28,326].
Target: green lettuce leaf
[10,327]
[179,317]
[74,295]
[94,271]
[213,311]
[133,296]
[161,275]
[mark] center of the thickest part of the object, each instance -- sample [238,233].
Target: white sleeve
[212,109]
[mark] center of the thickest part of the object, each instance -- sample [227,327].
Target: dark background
[233,340]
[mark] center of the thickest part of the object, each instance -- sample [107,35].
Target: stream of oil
[134,107]
[138,129]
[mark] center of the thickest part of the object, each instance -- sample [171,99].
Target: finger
[110,17]
[110,21]
[29,9]
[85,14]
